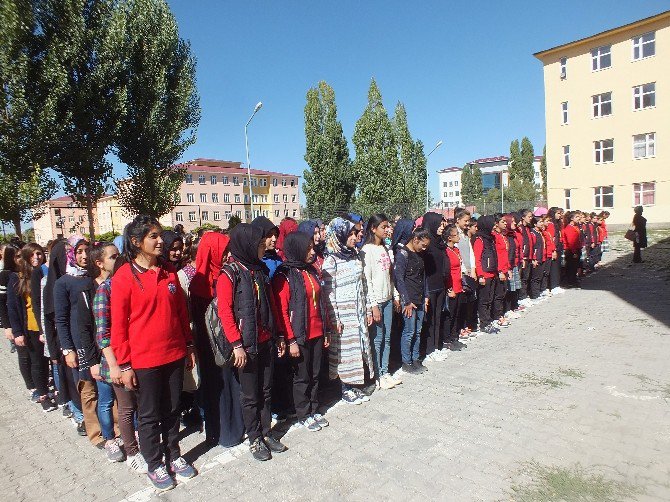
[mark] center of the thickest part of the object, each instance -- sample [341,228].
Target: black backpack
[489,256]
[221,347]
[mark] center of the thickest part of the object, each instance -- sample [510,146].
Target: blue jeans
[409,341]
[76,412]
[380,332]
[105,405]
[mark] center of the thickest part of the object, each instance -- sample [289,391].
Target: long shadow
[644,285]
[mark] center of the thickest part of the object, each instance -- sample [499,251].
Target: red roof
[227,166]
[501,158]
[450,170]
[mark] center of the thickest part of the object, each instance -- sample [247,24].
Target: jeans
[105,405]
[410,338]
[76,412]
[380,333]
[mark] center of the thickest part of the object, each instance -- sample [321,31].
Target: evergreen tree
[526,171]
[514,160]
[411,162]
[160,108]
[543,172]
[329,186]
[471,183]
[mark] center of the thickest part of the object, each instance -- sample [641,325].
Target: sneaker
[137,463]
[418,365]
[259,450]
[396,378]
[512,315]
[350,397]
[34,396]
[48,404]
[67,412]
[114,453]
[464,334]
[320,419]
[310,424]
[182,469]
[557,290]
[161,479]
[502,324]
[361,395]
[410,369]
[274,445]
[491,330]
[81,428]
[385,382]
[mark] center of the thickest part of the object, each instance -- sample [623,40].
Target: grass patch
[558,484]
[571,372]
[553,380]
[650,385]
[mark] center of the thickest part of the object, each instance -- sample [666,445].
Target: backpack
[489,257]
[221,347]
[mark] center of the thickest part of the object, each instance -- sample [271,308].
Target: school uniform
[525,241]
[454,281]
[537,272]
[500,288]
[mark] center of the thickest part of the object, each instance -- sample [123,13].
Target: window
[285,212]
[70,219]
[566,155]
[446,194]
[246,198]
[285,198]
[602,104]
[564,112]
[444,184]
[238,213]
[81,219]
[644,145]
[601,57]
[603,151]
[283,183]
[564,68]
[245,181]
[292,183]
[226,215]
[264,182]
[274,182]
[236,181]
[217,216]
[644,194]
[247,214]
[451,194]
[295,212]
[179,216]
[191,216]
[189,179]
[567,198]
[189,197]
[254,182]
[457,193]
[451,183]
[201,179]
[276,213]
[203,197]
[226,197]
[213,180]
[237,198]
[204,216]
[215,198]
[254,198]
[644,96]
[455,183]
[276,198]
[603,197]
[292,198]
[224,180]
[644,46]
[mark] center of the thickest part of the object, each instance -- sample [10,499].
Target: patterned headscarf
[337,234]
[74,241]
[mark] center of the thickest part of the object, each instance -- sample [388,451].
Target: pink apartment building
[62,218]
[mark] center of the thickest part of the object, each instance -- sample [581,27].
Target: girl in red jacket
[514,242]
[502,252]
[549,254]
[572,242]
[151,339]
[486,266]
[454,286]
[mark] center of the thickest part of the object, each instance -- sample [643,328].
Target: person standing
[454,286]
[526,240]
[173,248]
[640,229]
[486,264]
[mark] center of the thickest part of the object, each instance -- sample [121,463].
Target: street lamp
[438,145]
[258,106]
[502,186]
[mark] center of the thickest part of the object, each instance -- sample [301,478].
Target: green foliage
[106,237]
[329,186]
[471,183]
[206,227]
[412,163]
[19,194]
[543,172]
[514,160]
[526,171]
[233,221]
[160,107]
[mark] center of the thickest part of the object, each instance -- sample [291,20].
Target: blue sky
[464,70]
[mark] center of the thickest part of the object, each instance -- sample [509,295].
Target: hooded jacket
[434,257]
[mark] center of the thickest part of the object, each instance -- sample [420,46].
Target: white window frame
[201,179]
[215,198]
[217,215]
[204,215]
[564,68]
[190,197]
[564,112]
[599,196]
[600,148]
[224,180]
[189,179]
[179,216]
[264,182]
[597,56]
[642,190]
[236,181]
[276,213]
[212,179]
[226,215]
[203,198]
[238,199]
[275,182]
[566,156]
[639,44]
[456,183]
[598,102]
[639,93]
[276,199]
[567,196]
[648,141]
[191,216]
[283,183]
[226,197]
[285,198]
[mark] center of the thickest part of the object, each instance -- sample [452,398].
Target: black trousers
[306,370]
[637,254]
[470,311]
[456,315]
[256,392]
[571,266]
[511,300]
[555,273]
[159,390]
[536,276]
[524,274]
[432,333]
[499,292]
[485,306]
[545,275]
[34,367]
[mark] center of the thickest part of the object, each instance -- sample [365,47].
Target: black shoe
[418,365]
[259,450]
[81,429]
[48,405]
[274,445]
[67,412]
[410,369]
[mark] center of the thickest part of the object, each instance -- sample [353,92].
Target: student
[640,229]
[271,258]
[471,296]
[555,230]
[102,259]
[454,286]
[313,227]
[500,288]
[9,255]
[345,301]
[549,255]
[537,258]
[377,268]
[152,354]
[526,236]
[514,257]
[173,248]
[286,226]
[297,292]
[486,264]
[572,244]
[603,226]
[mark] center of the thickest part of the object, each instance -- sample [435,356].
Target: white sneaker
[137,464]
[396,377]
[512,315]
[439,356]
[557,290]
[386,383]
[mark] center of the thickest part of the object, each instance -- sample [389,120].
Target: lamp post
[258,106]
[437,145]
[502,186]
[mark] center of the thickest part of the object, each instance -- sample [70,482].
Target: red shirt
[453,280]
[478,248]
[282,294]
[603,226]
[549,244]
[502,251]
[572,238]
[150,320]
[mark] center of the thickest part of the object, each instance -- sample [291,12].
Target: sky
[464,70]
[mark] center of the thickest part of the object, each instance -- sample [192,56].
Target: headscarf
[356,218]
[265,225]
[169,237]
[286,227]
[244,242]
[485,226]
[118,242]
[337,233]
[308,227]
[431,222]
[509,219]
[57,268]
[401,232]
[296,246]
[74,241]
[435,256]
[208,264]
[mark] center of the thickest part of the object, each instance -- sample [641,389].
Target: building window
[238,213]
[285,212]
[264,182]
[602,104]
[226,197]
[201,179]
[274,182]
[203,197]
[644,194]
[457,193]
[295,212]
[217,216]
[644,46]
[451,194]
[254,182]
[444,184]
[276,213]
[446,195]
[204,215]
[603,151]
[292,198]
[179,216]
[283,183]
[644,96]
[603,197]
[564,68]
[567,198]
[215,198]
[644,145]
[254,198]
[189,197]
[601,57]
[246,198]
[292,183]
[237,198]
[455,183]
[276,198]
[191,216]
[226,215]
[285,198]
[224,180]
[247,214]
[566,155]
[245,181]
[213,180]
[236,181]
[189,179]
[564,112]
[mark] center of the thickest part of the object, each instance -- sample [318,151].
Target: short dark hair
[420,233]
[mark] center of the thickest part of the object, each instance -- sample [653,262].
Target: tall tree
[527,171]
[376,167]
[160,108]
[83,61]
[471,183]
[543,172]
[22,196]
[514,160]
[329,186]
[411,162]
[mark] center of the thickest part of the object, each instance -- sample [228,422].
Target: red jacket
[549,244]
[453,280]
[502,251]
[603,226]
[150,320]
[478,248]
[572,239]
[282,295]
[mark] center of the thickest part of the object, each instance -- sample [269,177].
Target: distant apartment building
[607,112]
[61,217]
[450,186]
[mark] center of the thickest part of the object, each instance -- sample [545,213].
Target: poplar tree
[514,160]
[160,108]
[328,183]
[526,171]
[471,183]
[411,163]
